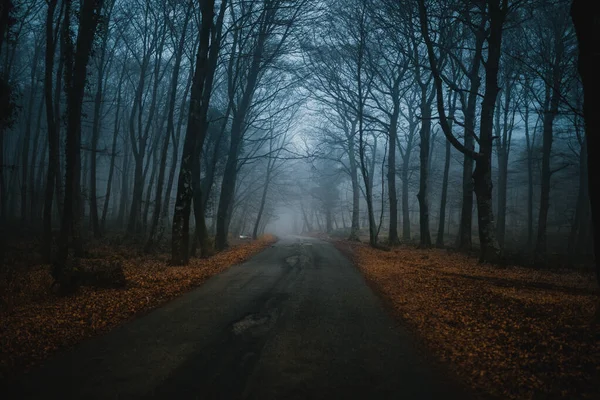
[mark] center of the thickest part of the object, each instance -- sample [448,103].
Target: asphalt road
[297,321]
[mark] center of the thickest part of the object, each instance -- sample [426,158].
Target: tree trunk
[170,129]
[464,239]
[307,224]
[405,206]
[552,102]
[150,186]
[482,176]
[355,225]
[530,141]
[98,98]
[175,154]
[124,193]
[113,152]
[201,234]
[76,73]
[263,200]
[194,139]
[423,195]
[53,139]
[366,173]
[393,238]
[134,225]
[439,242]
[581,209]
[3,197]
[27,138]
[33,199]
[504,154]
[585,18]
[230,173]
[58,91]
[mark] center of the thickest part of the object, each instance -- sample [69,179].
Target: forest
[371,118]
[186,127]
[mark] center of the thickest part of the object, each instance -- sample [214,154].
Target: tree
[179,53]
[53,138]
[98,100]
[266,28]
[439,242]
[554,34]
[389,62]
[504,133]
[496,12]
[77,56]
[585,19]
[194,137]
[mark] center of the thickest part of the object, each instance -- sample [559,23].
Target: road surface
[297,321]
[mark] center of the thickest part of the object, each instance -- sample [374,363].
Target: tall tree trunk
[201,233]
[505,135]
[33,199]
[307,224]
[98,98]
[405,190]
[76,71]
[367,176]
[355,224]
[581,208]
[150,186]
[482,175]
[27,138]
[552,102]
[238,127]
[211,169]
[3,197]
[139,144]
[175,154]
[194,139]
[170,130]
[585,18]
[423,195]
[124,192]
[113,151]
[263,201]
[53,139]
[439,242]
[39,180]
[530,141]
[58,90]
[231,168]
[393,238]
[464,239]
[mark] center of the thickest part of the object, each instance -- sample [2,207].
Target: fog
[390,122]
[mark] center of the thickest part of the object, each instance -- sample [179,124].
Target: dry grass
[511,332]
[36,323]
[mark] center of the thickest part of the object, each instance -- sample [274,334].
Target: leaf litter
[35,322]
[506,332]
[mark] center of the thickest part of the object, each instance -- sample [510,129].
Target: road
[297,321]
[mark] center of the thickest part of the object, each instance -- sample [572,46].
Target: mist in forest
[187,124]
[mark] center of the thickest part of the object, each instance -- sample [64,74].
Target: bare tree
[585,18]
[265,27]
[77,58]
[496,12]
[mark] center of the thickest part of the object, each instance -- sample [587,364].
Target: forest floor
[507,332]
[35,322]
